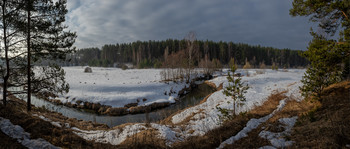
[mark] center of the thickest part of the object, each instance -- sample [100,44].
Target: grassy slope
[38,128]
[328,126]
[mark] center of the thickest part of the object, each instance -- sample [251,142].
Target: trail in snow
[17,132]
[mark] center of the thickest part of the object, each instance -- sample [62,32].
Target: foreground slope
[328,125]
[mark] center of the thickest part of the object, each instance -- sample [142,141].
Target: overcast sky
[263,22]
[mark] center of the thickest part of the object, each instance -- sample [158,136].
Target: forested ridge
[145,54]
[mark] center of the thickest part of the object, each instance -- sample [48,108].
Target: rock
[102,110]
[88,70]
[95,106]
[87,105]
[68,104]
[78,102]
[131,105]
[117,111]
[182,92]
[155,106]
[80,106]
[139,109]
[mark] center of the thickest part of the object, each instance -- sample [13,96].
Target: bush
[247,65]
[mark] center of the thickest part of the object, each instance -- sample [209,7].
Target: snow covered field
[204,116]
[117,87]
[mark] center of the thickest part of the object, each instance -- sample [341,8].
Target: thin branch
[344,14]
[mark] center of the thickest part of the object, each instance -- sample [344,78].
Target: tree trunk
[29,55]
[6,77]
[234,107]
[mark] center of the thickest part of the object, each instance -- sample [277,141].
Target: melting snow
[202,117]
[276,139]
[113,137]
[17,132]
[252,124]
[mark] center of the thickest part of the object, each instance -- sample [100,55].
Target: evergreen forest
[152,54]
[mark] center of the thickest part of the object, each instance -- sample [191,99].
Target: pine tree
[10,41]
[46,38]
[235,90]
[329,58]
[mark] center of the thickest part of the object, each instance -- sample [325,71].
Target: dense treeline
[153,53]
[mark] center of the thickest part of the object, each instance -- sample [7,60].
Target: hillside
[316,124]
[328,124]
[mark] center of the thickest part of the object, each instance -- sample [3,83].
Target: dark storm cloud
[264,22]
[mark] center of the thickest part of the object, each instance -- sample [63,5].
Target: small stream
[192,98]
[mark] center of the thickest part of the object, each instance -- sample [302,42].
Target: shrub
[124,67]
[234,90]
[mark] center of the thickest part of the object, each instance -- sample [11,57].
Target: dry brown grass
[326,126]
[38,128]
[210,84]
[295,108]
[253,141]
[214,137]
[145,139]
[292,108]
[270,104]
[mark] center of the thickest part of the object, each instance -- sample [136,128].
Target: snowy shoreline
[150,92]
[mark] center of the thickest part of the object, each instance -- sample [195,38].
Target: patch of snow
[114,137]
[252,124]
[17,132]
[57,124]
[267,147]
[166,133]
[276,139]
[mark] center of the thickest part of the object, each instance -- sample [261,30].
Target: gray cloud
[267,22]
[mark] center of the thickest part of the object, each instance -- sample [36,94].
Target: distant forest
[152,54]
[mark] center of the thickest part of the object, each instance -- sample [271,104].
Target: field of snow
[205,116]
[117,87]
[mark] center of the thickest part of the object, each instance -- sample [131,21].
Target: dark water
[193,98]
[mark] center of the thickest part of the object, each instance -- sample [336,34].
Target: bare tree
[191,51]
